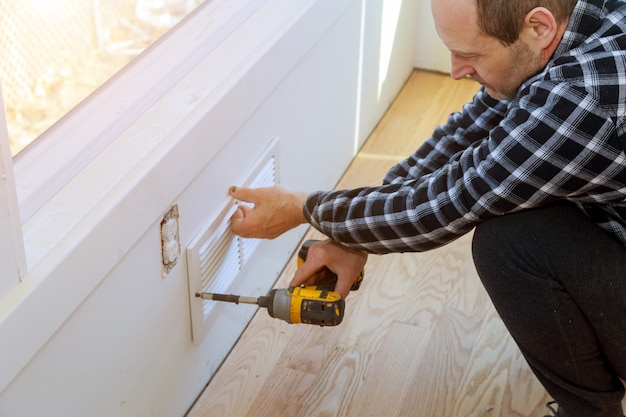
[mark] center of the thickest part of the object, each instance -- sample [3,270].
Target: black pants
[559,284]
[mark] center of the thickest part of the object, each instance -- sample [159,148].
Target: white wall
[125,349]
[430,53]
[387,56]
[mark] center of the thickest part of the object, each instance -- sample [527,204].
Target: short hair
[503,19]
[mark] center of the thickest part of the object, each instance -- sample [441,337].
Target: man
[535,164]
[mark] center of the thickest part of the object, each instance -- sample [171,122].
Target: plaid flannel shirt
[561,138]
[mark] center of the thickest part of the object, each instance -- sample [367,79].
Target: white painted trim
[80,233]
[60,153]
[12,258]
[430,53]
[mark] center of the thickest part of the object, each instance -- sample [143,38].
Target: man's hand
[344,262]
[275,210]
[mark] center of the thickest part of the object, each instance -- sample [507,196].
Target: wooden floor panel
[419,338]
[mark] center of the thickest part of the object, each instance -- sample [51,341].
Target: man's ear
[541,30]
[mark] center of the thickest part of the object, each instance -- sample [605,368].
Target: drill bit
[229,298]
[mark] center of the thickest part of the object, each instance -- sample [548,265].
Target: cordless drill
[316,304]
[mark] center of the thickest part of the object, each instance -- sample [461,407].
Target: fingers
[268,212]
[238,214]
[343,286]
[237,220]
[242,194]
[305,275]
[346,263]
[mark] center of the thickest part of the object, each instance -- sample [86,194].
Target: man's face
[500,69]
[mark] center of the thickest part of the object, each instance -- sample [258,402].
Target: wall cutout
[170,240]
[216,256]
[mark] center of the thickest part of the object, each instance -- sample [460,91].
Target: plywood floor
[419,338]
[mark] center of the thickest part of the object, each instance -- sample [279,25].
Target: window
[63,134]
[56,53]
[65,148]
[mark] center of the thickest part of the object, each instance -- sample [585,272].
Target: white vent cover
[216,256]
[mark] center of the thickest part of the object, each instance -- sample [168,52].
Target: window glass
[57,52]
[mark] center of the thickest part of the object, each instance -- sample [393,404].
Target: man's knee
[491,241]
[525,234]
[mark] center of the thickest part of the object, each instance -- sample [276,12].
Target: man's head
[501,43]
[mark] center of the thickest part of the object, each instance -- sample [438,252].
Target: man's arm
[460,131]
[555,143]
[276,210]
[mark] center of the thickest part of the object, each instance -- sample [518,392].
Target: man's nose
[460,68]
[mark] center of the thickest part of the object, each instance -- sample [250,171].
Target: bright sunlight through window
[55,53]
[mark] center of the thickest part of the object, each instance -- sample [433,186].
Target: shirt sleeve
[461,130]
[550,144]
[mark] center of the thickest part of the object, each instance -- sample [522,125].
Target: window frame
[12,256]
[66,148]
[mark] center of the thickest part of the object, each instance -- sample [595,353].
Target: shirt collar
[584,21]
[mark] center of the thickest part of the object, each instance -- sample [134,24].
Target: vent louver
[216,256]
